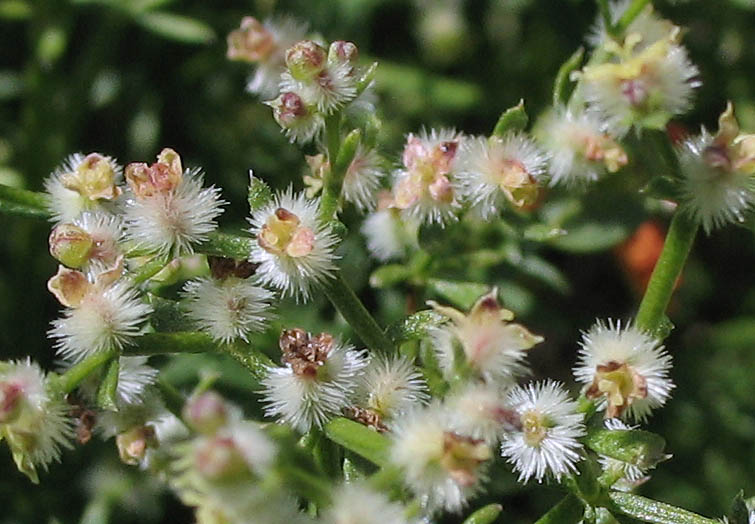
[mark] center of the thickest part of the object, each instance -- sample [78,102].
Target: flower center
[462,456]
[533,427]
[283,234]
[620,384]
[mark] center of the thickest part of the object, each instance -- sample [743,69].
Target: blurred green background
[128,77]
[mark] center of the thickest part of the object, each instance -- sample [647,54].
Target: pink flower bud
[305,60]
[70,245]
[206,413]
[219,458]
[252,42]
[342,51]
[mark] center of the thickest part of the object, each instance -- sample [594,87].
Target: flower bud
[289,109]
[70,245]
[252,42]
[342,51]
[133,444]
[206,413]
[161,177]
[305,60]
[93,178]
[219,458]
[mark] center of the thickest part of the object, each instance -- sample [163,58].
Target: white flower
[106,232]
[362,179]
[640,86]
[500,169]
[227,309]
[82,183]
[494,348]
[389,235]
[441,467]
[647,25]
[426,188]
[480,411]
[357,503]
[293,247]
[317,382]
[170,222]
[329,90]
[580,152]
[33,420]
[719,174]
[390,386]
[100,315]
[549,426]
[625,367]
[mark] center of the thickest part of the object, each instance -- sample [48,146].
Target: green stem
[605,14]
[68,381]
[148,270]
[647,510]
[484,515]
[331,188]
[569,511]
[226,245]
[107,394]
[351,308]
[676,248]
[634,9]
[15,201]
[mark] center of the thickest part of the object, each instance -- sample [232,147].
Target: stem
[634,9]
[15,201]
[68,381]
[107,394]
[484,515]
[148,270]
[226,245]
[569,511]
[331,188]
[351,308]
[605,14]
[648,510]
[679,239]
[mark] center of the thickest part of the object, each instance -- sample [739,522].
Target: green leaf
[15,10]
[416,326]
[360,439]
[647,510]
[569,511]
[485,515]
[460,294]
[107,393]
[542,232]
[389,275]
[513,119]
[562,87]
[588,237]
[177,27]
[637,447]
[259,193]
[51,45]
[738,514]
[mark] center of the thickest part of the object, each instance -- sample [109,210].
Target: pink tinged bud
[11,396]
[289,109]
[69,286]
[342,51]
[161,177]
[94,178]
[70,245]
[251,43]
[134,443]
[441,189]
[218,458]
[206,413]
[305,60]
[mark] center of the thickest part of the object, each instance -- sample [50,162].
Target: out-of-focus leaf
[460,294]
[590,237]
[177,27]
[738,513]
[15,10]
[562,87]
[389,275]
[542,232]
[11,85]
[51,45]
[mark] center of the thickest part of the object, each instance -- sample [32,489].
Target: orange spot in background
[639,253]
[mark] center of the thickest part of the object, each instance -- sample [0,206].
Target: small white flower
[480,411]
[389,235]
[426,188]
[647,25]
[227,309]
[293,247]
[329,90]
[33,421]
[624,367]
[494,348]
[500,169]
[171,222]
[100,315]
[317,382]
[106,232]
[580,152]
[362,179]
[82,183]
[719,174]
[441,467]
[356,503]
[549,426]
[390,386]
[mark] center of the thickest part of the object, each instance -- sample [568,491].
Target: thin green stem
[68,381]
[351,308]
[148,270]
[647,510]
[605,14]
[20,202]
[569,511]
[631,12]
[681,234]
[331,189]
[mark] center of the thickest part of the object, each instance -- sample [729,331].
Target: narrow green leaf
[648,510]
[415,327]
[259,193]
[569,511]
[562,87]
[389,275]
[360,439]
[15,10]
[176,27]
[460,294]
[513,119]
[107,394]
[485,515]
[638,447]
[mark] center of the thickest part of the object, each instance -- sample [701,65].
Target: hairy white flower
[82,183]
[444,469]
[546,440]
[390,386]
[624,367]
[33,420]
[227,309]
[389,235]
[170,222]
[362,179]
[357,503]
[293,247]
[317,382]
[327,91]
[580,151]
[496,170]
[106,232]
[494,348]
[719,174]
[426,188]
[480,411]
[647,25]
